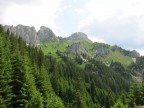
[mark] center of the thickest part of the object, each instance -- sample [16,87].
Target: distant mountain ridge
[27,33]
[77,43]
[30,35]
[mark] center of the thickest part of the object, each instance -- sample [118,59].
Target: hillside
[24,81]
[99,51]
[50,44]
[67,73]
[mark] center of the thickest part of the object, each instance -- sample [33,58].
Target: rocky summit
[135,54]
[77,43]
[27,33]
[45,34]
[78,36]
[30,35]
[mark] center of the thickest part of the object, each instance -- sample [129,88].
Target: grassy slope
[119,57]
[114,55]
[61,45]
[51,47]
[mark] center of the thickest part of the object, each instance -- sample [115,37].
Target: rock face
[101,50]
[30,35]
[45,34]
[135,54]
[76,48]
[78,36]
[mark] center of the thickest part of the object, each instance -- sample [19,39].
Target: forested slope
[24,81]
[30,79]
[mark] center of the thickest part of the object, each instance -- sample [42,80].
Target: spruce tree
[5,71]
[44,86]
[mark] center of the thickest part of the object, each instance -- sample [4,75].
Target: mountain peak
[30,35]
[26,32]
[135,54]
[78,36]
[45,34]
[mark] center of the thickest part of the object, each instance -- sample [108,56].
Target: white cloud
[118,22]
[102,10]
[141,52]
[96,39]
[35,14]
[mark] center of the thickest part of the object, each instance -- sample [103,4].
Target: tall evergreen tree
[5,70]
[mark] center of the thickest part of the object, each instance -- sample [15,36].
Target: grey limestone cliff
[135,54]
[101,50]
[27,33]
[30,35]
[78,36]
[76,48]
[45,34]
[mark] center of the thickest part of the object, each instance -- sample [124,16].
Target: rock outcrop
[30,35]
[45,34]
[76,48]
[135,54]
[101,50]
[27,33]
[78,36]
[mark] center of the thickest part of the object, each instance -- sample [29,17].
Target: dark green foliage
[119,104]
[118,67]
[96,86]
[19,68]
[138,65]
[106,78]
[28,79]
[2,103]
[5,70]
[44,86]
[136,95]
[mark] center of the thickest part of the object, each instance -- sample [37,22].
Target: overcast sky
[113,22]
